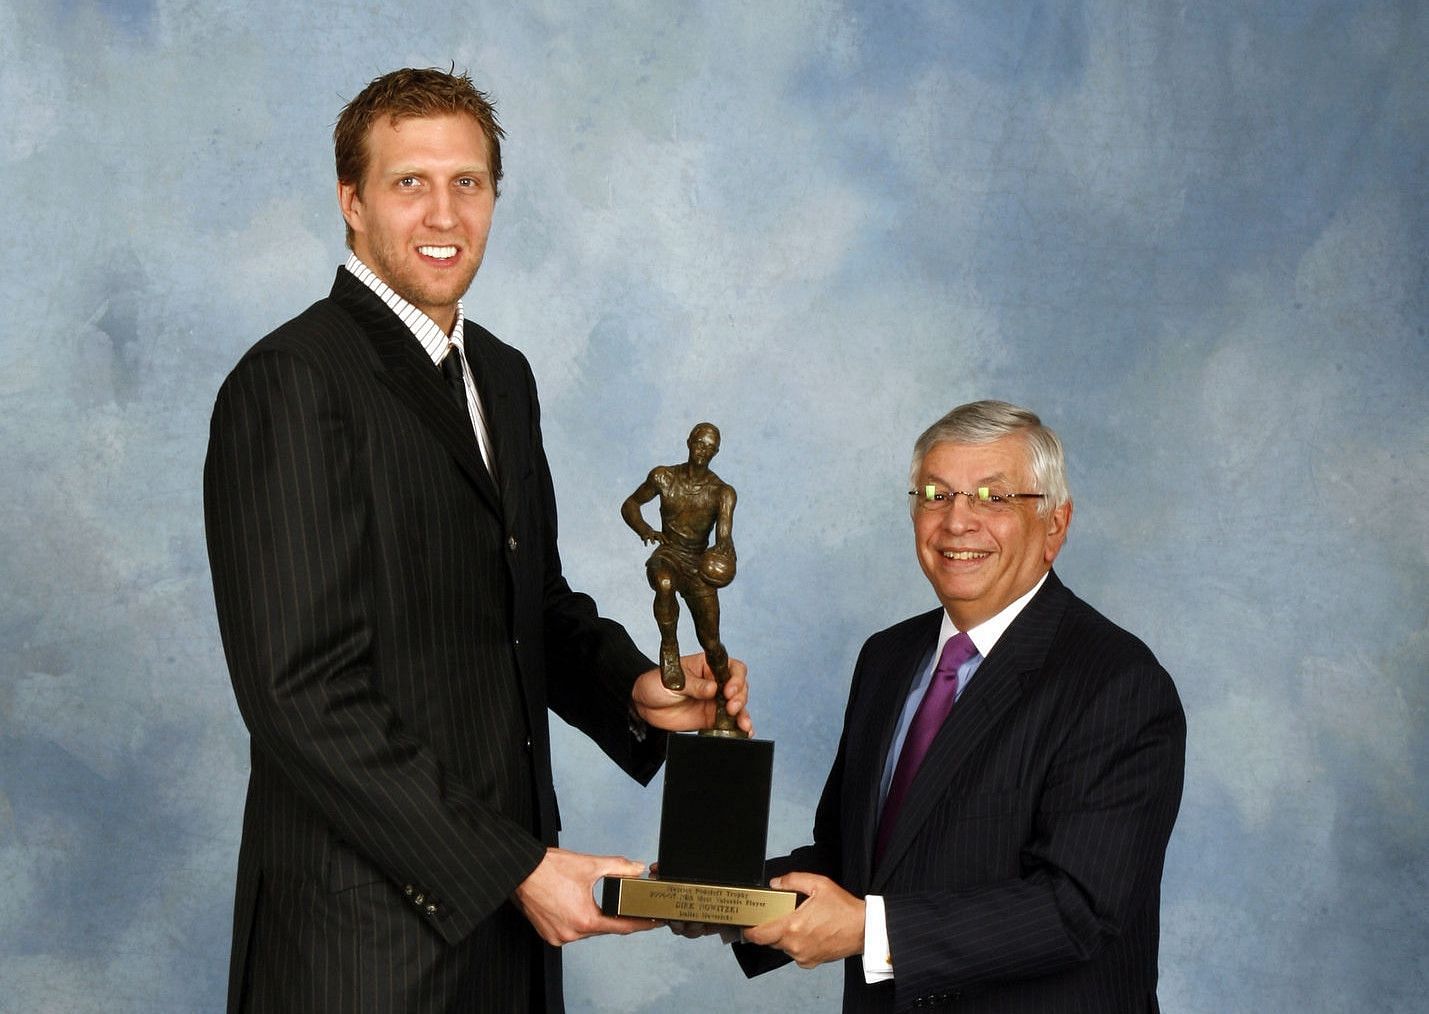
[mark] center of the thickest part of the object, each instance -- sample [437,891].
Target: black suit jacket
[396,626]
[1024,871]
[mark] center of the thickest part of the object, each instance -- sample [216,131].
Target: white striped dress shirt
[436,343]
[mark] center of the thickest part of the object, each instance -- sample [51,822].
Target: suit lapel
[999,684]
[408,372]
[495,391]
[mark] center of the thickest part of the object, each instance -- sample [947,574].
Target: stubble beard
[403,278]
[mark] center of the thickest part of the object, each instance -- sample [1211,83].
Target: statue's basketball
[717,567]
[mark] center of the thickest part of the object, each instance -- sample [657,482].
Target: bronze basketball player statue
[714,820]
[693,503]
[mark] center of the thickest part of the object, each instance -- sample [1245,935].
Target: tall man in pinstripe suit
[382,534]
[1017,865]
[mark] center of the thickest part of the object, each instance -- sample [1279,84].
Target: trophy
[715,813]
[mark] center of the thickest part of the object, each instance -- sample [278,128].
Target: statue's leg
[667,618]
[704,610]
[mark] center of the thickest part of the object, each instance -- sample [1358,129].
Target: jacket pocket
[346,868]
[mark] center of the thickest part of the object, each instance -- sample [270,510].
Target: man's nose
[960,516]
[441,210]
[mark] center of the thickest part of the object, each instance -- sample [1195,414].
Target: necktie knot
[958,650]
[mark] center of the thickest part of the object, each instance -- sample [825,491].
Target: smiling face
[979,563]
[420,216]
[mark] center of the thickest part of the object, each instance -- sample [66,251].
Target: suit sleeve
[1092,863]
[285,521]
[591,661]
[824,856]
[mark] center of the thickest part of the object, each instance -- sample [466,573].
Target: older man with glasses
[992,833]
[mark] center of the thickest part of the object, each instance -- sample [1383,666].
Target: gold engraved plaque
[681,901]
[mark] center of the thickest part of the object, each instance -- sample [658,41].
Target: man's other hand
[557,898]
[692,708]
[828,926]
[695,930]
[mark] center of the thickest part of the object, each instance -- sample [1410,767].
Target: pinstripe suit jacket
[1024,871]
[396,627]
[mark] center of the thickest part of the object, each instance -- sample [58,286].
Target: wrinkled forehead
[1004,460]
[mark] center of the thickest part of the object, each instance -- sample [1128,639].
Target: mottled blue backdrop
[1192,235]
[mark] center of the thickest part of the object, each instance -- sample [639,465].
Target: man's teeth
[440,252]
[965,554]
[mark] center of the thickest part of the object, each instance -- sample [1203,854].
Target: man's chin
[445,295]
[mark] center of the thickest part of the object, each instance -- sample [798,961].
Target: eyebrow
[414,171]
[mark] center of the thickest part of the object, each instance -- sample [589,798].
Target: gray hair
[982,422]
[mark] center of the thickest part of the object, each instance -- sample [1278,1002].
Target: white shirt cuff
[877,960]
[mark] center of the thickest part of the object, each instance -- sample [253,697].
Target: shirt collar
[986,634]
[429,335]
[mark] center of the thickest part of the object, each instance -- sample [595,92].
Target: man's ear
[351,205]
[1057,523]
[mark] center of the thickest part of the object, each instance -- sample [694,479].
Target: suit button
[431,910]
[409,890]
[528,742]
[511,543]
[419,899]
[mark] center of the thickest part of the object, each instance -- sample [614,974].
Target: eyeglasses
[982,500]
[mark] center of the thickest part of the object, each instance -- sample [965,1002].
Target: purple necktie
[932,711]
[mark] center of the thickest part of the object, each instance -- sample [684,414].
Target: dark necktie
[455,373]
[927,720]
[456,380]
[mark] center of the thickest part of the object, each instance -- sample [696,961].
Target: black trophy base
[714,826]
[714,821]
